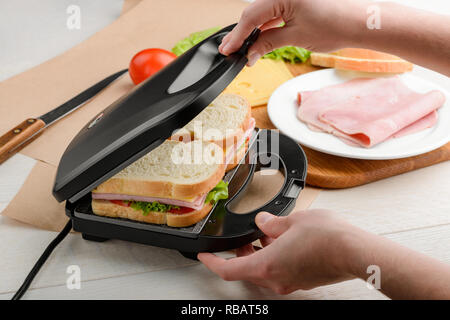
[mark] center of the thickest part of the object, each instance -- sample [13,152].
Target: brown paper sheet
[149,24]
[50,146]
[34,204]
[36,91]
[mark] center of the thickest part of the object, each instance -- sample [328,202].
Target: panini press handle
[292,159]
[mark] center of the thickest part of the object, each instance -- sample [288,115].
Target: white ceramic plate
[282,110]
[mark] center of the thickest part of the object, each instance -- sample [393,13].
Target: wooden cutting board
[328,171]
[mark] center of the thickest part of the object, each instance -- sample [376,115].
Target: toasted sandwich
[165,186]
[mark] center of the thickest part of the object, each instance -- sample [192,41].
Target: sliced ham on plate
[367,111]
[424,123]
[314,102]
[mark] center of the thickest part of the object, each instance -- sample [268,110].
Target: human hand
[301,251]
[317,25]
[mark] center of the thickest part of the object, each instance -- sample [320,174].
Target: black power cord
[23,288]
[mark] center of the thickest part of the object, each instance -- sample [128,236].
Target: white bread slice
[109,209]
[159,173]
[223,122]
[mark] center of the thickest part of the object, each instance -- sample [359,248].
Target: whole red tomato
[147,62]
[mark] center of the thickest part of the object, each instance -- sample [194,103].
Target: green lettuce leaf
[219,192]
[194,38]
[289,53]
[155,206]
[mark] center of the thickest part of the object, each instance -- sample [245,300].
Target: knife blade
[21,135]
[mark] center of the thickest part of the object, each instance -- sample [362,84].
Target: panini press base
[142,120]
[222,229]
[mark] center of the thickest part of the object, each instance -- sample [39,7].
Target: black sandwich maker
[142,120]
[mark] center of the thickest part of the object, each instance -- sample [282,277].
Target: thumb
[271,225]
[268,41]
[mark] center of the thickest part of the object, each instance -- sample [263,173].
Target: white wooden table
[412,209]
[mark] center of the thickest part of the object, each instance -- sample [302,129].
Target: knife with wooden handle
[21,135]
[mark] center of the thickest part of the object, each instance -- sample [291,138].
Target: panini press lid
[144,118]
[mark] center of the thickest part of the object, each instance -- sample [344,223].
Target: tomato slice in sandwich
[121,203]
[181,210]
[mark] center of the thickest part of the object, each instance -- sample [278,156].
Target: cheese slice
[258,82]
